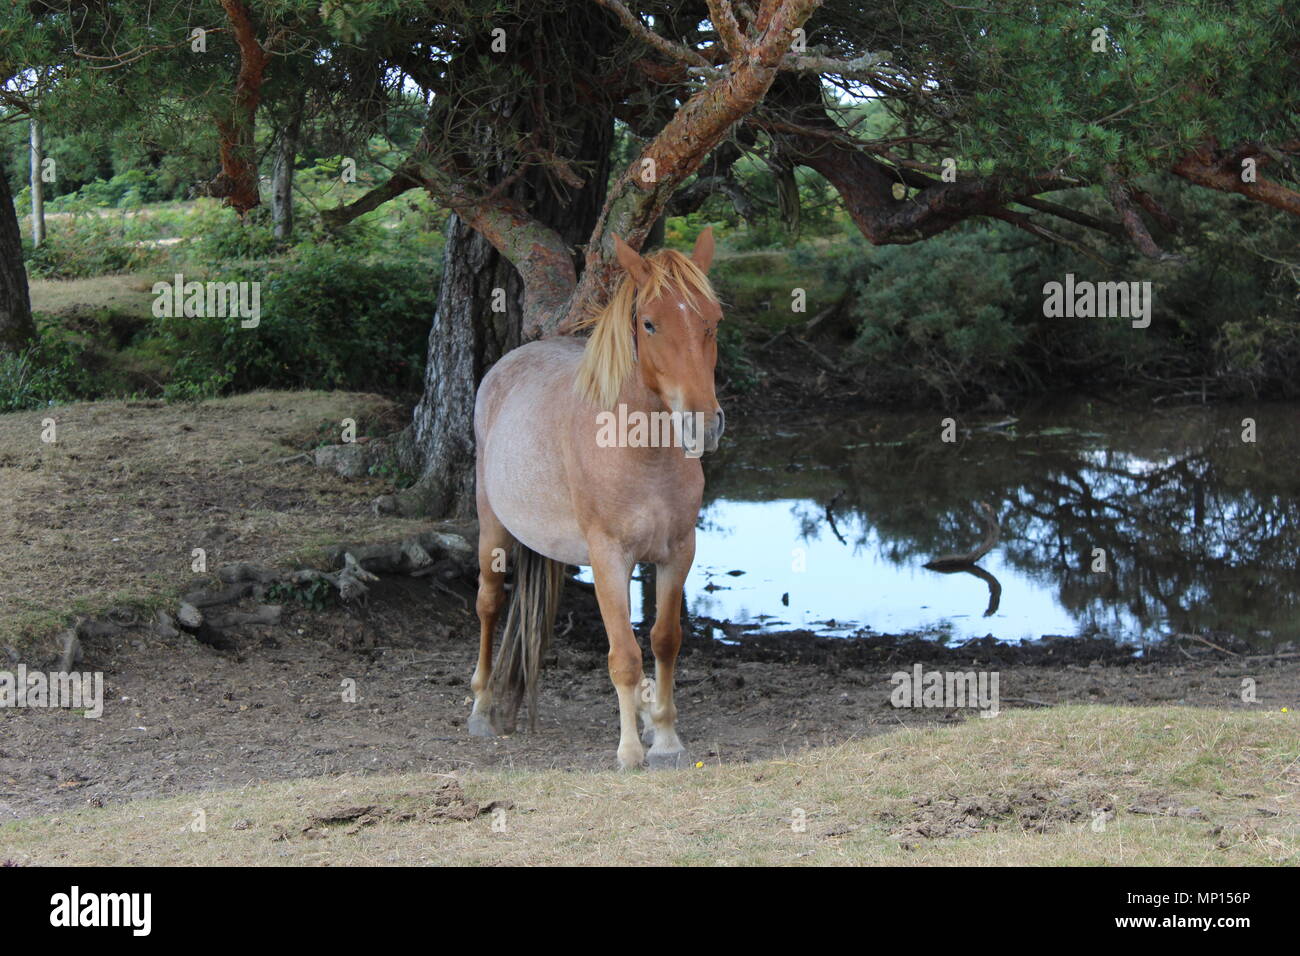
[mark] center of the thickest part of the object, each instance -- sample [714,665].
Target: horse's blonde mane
[608,359]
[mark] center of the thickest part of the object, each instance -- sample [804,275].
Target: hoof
[630,758]
[480,726]
[668,759]
[648,734]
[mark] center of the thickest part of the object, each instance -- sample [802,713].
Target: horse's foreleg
[612,571]
[494,543]
[667,751]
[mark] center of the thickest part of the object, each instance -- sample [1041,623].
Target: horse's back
[524,404]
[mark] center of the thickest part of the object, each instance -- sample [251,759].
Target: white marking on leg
[630,752]
[664,714]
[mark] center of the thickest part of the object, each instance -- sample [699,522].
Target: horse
[553,489]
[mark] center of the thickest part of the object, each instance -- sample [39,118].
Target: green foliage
[330,318]
[1132,84]
[47,373]
[223,236]
[959,318]
[316,594]
[392,472]
[940,316]
[126,190]
[196,377]
[734,363]
[89,244]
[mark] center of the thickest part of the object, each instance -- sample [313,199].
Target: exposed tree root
[204,614]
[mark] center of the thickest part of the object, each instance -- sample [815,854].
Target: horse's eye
[648,326]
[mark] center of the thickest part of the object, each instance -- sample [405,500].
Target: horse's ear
[703,254]
[630,260]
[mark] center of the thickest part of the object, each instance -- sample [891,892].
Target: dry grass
[110,512]
[125,293]
[1218,788]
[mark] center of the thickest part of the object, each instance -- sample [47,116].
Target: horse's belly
[523,475]
[537,519]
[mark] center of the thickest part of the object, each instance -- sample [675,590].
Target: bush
[45,374]
[89,245]
[939,319]
[222,236]
[330,318]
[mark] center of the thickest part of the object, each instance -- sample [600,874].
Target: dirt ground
[182,716]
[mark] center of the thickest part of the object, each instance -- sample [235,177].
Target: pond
[826,522]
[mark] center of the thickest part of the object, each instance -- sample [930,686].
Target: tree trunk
[468,336]
[38,187]
[282,178]
[16,327]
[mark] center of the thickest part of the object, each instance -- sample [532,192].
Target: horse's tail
[530,621]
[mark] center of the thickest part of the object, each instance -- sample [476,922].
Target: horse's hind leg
[494,543]
[667,751]
[612,571]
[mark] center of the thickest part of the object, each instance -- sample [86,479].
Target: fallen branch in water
[1208,643]
[830,516]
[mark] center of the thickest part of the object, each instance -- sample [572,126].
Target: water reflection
[1200,530]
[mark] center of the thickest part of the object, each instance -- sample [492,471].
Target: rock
[243,571]
[350,461]
[189,617]
[266,614]
[164,626]
[89,629]
[226,595]
[416,554]
[71,651]
[452,544]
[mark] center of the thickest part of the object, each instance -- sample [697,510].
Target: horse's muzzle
[713,431]
[701,433]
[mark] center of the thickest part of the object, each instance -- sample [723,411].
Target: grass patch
[110,513]
[758,287]
[1025,789]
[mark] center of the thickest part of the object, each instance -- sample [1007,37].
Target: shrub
[44,374]
[222,236]
[330,318]
[89,244]
[939,318]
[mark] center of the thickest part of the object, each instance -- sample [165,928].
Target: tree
[998,111]
[956,80]
[17,329]
[16,326]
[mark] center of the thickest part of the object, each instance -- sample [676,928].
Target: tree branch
[674,51]
[1118,192]
[237,182]
[638,198]
[1216,169]
[406,177]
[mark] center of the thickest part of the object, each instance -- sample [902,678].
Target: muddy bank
[182,717]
